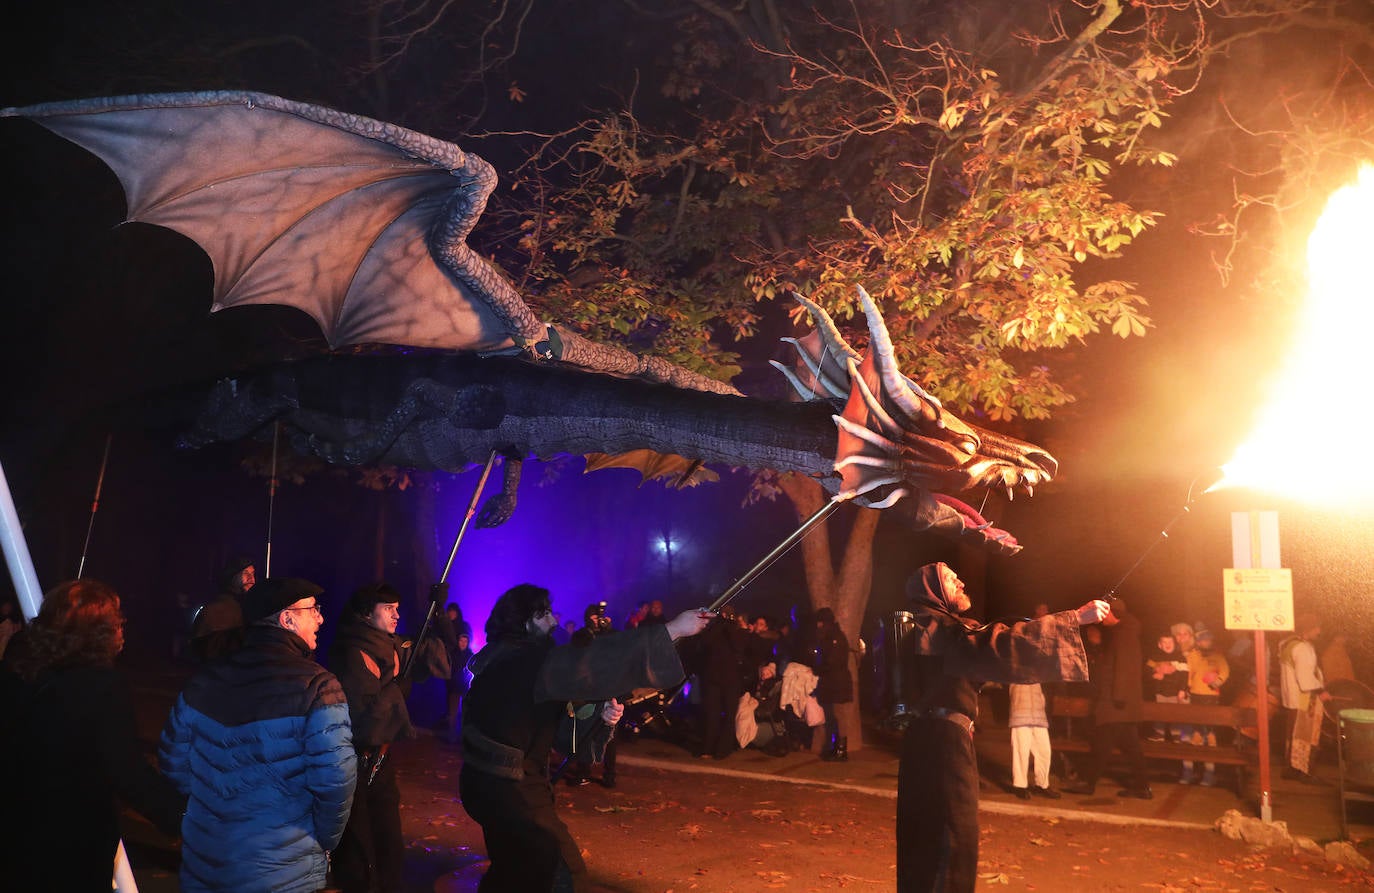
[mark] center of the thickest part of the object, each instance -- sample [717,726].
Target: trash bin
[1355,747]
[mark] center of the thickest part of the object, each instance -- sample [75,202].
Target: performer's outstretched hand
[1093,612]
[689,623]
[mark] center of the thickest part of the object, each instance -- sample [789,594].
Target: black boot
[839,753]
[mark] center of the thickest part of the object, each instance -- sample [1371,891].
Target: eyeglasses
[315,608]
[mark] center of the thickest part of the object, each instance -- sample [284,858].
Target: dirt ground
[661,830]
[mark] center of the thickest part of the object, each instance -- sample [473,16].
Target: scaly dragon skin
[896,446]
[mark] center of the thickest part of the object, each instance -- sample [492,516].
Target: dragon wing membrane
[301,205]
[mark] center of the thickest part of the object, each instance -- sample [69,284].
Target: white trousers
[1027,742]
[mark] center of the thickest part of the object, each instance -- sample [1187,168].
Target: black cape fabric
[1118,683]
[519,694]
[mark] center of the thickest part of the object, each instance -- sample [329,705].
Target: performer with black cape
[520,689]
[937,788]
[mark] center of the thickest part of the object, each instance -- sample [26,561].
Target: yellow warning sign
[1258,598]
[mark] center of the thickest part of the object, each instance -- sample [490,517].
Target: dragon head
[896,440]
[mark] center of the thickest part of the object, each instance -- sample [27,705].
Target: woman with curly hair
[69,731]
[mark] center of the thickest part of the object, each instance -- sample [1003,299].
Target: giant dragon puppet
[363,225]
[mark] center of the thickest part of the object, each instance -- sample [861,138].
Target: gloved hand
[438,593]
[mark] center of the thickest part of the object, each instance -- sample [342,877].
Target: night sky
[106,329]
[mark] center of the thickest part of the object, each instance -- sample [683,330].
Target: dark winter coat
[365,660]
[217,630]
[1173,681]
[69,744]
[262,745]
[1118,673]
[835,684]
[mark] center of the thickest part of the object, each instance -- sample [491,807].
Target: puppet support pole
[778,551]
[95,507]
[17,553]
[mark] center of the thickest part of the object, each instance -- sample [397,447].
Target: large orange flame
[1311,438]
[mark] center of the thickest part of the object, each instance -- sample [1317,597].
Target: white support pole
[17,557]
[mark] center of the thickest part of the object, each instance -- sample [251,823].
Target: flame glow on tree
[1322,390]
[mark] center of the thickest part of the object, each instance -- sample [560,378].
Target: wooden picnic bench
[1074,733]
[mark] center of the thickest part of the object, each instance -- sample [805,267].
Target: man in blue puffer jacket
[261,745]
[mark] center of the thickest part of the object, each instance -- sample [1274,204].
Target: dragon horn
[815,366]
[830,333]
[916,405]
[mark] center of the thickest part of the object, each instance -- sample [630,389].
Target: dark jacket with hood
[365,660]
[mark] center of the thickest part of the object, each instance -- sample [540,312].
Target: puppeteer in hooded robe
[937,792]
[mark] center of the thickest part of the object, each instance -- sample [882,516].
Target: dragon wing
[301,205]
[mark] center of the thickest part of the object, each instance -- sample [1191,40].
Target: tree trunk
[846,592]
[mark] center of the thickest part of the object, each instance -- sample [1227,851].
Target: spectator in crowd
[563,632]
[584,738]
[520,689]
[69,743]
[1168,679]
[720,674]
[455,619]
[784,647]
[937,785]
[1335,662]
[1303,691]
[371,663]
[655,614]
[637,616]
[1208,671]
[262,745]
[459,681]
[1030,739]
[835,682]
[217,629]
[1117,709]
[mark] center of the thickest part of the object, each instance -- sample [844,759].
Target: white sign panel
[1258,598]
